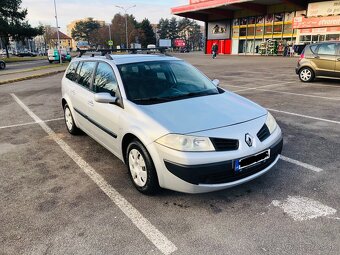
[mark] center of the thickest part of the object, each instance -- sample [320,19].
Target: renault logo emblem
[249,140]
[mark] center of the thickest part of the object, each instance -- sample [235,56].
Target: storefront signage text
[302,22]
[323,8]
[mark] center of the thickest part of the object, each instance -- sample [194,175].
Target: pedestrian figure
[291,51]
[214,50]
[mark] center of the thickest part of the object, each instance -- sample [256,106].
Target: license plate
[251,160]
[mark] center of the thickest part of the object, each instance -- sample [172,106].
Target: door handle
[338,59]
[90,103]
[317,57]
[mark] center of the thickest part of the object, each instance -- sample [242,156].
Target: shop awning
[209,10]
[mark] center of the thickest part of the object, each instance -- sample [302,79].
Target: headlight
[271,123]
[186,143]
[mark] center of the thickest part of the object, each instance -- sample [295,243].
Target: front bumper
[222,172]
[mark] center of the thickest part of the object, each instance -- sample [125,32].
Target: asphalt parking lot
[62,194]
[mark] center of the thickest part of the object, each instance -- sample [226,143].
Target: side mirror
[105,98]
[216,82]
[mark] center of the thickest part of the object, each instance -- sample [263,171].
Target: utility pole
[56,21]
[126,23]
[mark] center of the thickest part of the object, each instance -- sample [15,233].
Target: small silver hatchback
[172,126]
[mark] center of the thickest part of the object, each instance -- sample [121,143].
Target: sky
[68,10]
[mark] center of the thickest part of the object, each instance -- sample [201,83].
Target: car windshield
[164,81]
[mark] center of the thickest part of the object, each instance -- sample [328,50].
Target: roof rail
[107,52]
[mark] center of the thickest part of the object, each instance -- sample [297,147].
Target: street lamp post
[110,38]
[56,21]
[126,22]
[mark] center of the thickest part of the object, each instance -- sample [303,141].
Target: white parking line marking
[288,93]
[305,116]
[29,123]
[275,84]
[144,225]
[304,208]
[299,163]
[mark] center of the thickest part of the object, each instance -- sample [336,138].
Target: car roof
[131,58]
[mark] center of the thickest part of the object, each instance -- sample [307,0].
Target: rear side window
[85,74]
[105,80]
[71,71]
[327,49]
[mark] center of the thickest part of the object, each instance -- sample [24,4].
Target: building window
[250,31]
[332,37]
[277,29]
[243,31]
[268,30]
[259,31]
[288,29]
[305,38]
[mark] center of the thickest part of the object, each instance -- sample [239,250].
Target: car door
[82,94]
[324,60]
[104,116]
[337,62]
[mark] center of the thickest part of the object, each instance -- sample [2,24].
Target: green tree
[163,28]
[148,35]
[86,30]
[173,29]
[13,24]
[119,31]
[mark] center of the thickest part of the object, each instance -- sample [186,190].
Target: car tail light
[302,56]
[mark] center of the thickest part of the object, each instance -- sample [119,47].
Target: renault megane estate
[172,126]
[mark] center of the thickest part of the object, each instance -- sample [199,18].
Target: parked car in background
[172,126]
[26,54]
[53,55]
[2,65]
[319,60]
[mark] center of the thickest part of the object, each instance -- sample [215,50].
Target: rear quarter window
[313,48]
[71,71]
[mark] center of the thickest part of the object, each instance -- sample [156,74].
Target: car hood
[203,113]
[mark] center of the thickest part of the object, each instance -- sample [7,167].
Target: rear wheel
[141,168]
[69,121]
[306,74]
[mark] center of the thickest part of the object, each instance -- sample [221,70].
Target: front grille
[222,144]
[264,133]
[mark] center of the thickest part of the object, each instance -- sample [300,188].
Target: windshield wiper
[151,100]
[192,94]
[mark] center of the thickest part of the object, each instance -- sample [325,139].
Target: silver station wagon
[172,126]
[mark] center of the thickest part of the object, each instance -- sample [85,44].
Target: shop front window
[260,19]
[315,38]
[277,29]
[278,17]
[305,38]
[259,31]
[251,20]
[332,37]
[268,30]
[287,29]
[243,31]
[251,31]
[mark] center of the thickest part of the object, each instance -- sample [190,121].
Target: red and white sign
[179,43]
[322,30]
[302,22]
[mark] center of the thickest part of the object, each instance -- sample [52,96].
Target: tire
[141,168]
[69,121]
[306,74]
[2,65]
[51,61]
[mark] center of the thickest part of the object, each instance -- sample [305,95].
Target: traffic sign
[110,42]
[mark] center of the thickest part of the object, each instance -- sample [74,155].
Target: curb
[35,76]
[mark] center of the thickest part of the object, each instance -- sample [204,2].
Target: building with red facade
[263,26]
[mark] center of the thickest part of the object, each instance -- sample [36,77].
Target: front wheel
[141,168]
[69,121]
[306,74]
[2,65]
